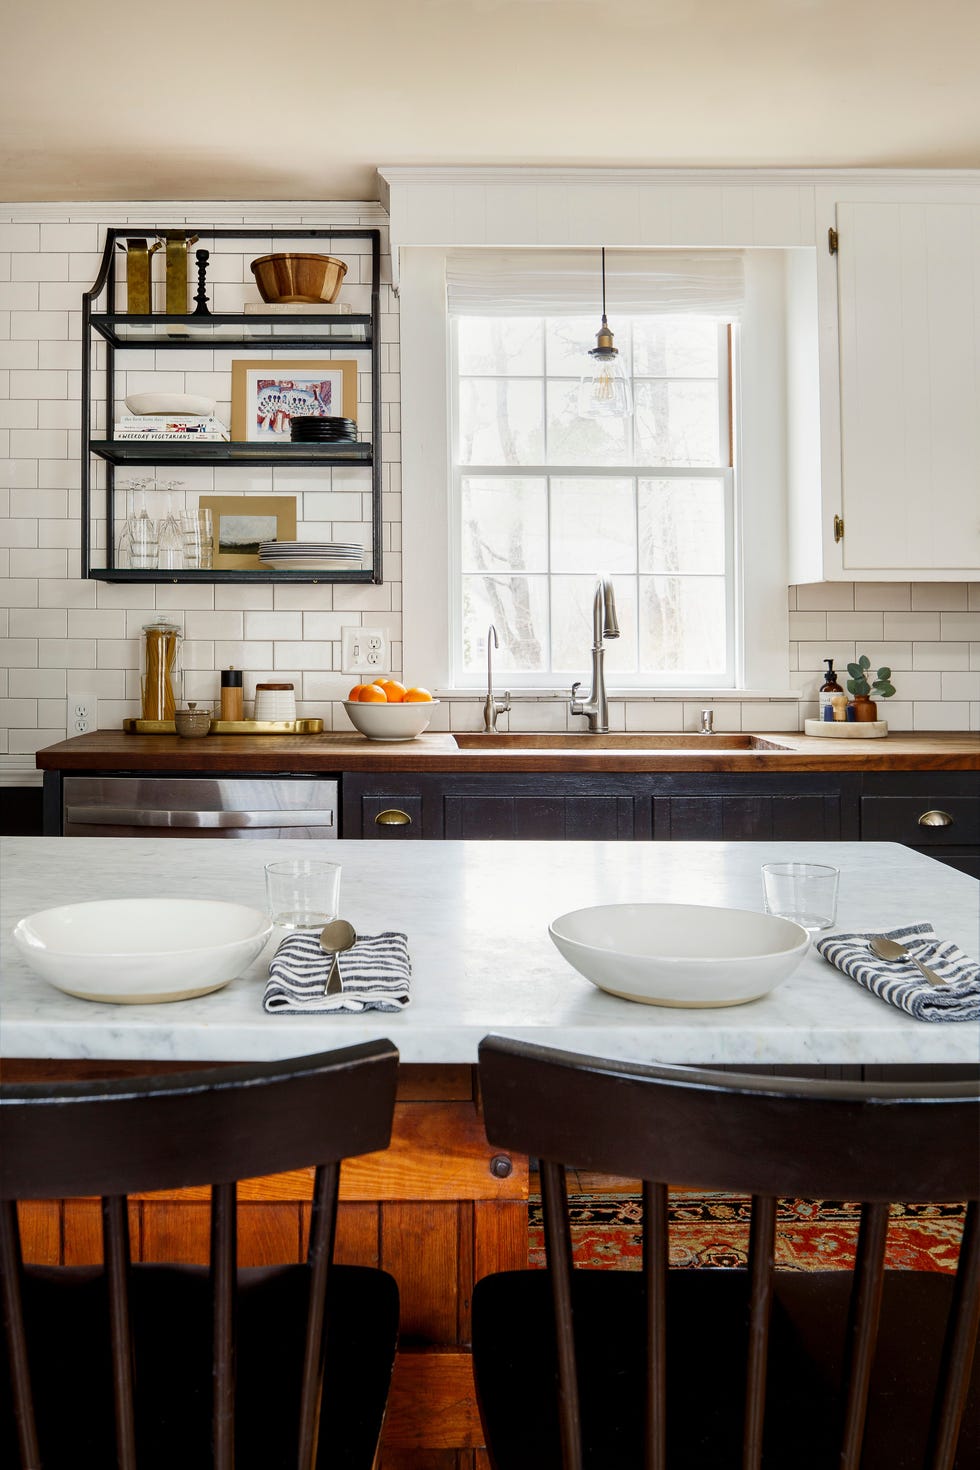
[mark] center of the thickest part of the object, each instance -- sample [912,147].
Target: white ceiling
[303,99]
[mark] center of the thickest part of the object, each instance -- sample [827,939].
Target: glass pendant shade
[604,390]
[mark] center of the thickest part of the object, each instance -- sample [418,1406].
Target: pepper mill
[232,694]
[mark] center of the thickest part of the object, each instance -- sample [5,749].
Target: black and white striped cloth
[901,983]
[375,974]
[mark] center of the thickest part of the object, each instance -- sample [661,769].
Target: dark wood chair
[153,1366]
[716,1369]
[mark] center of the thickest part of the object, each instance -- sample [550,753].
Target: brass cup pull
[393,818]
[935,819]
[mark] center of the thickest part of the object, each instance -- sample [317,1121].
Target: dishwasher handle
[125,816]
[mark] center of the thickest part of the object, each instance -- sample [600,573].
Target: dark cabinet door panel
[539,818]
[713,817]
[396,818]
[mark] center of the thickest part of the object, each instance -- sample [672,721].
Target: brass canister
[139,297]
[177,245]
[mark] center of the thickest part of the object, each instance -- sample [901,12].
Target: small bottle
[829,687]
[232,694]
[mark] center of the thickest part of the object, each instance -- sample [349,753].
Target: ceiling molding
[336,212]
[618,177]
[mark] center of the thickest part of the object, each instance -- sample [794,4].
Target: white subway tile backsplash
[860,626]
[952,715]
[274,625]
[960,625]
[911,625]
[18,591]
[882,596]
[33,622]
[939,596]
[947,655]
[958,686]
[37,683]
[70,653]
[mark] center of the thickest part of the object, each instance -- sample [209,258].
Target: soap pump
[828,689]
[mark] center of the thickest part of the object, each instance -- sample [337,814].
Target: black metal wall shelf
[155,451]
[189,574]
[248,330]
[252,330]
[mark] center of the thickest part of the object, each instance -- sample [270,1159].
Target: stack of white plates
[311,556]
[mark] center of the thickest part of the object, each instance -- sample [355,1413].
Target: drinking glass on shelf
[170,539]
[137,545]
[196,529]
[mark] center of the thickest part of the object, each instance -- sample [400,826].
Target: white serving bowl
[680,954]
[140,950]
[170,403]
[390,721]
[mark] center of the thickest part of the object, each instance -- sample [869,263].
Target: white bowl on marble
[137,951]
[678,954]
[390,721]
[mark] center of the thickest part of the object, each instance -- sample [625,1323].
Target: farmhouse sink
[634,740]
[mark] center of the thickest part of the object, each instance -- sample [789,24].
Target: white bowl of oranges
[387,710]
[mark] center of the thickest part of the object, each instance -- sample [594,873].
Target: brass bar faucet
[492,706]
[604,625]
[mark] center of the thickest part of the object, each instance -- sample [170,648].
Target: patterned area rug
[713,1230]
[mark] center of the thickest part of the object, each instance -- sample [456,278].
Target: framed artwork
[265,395]
[241,522]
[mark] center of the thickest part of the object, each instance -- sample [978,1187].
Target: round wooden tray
[846,729]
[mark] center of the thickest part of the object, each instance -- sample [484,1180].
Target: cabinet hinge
[832,240]
[838,528]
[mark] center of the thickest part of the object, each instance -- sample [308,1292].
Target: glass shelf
[251,330]
[262,452]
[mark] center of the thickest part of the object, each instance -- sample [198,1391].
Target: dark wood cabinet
[605,807]
[936,812]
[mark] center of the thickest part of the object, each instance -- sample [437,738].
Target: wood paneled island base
[438,1210]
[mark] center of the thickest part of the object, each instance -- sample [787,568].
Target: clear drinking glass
[803,892]
[170,540]
[302,894]
[196,529]
[143,541]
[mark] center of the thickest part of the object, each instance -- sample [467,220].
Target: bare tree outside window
[547,499]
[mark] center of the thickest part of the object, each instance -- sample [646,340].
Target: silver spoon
[890,949]
[335,937]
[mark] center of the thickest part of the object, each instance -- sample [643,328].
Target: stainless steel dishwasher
[265,807]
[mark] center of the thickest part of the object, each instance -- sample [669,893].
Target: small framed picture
[266,395]
[242,522]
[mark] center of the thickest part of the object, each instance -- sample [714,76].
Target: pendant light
[604,391]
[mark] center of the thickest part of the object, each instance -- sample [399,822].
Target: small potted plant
[862,688]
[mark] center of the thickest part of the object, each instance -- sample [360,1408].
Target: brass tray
[229,727]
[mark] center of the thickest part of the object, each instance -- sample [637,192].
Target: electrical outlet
[82,715]
[363,650]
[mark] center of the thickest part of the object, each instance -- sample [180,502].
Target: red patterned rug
[713,1230]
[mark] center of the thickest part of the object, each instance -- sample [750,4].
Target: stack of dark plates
[313,429]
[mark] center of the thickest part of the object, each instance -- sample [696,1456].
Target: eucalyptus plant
[859,683]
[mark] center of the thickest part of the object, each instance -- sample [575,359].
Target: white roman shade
[568,283]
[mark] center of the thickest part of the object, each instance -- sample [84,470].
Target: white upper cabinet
[899,397]
[909,314]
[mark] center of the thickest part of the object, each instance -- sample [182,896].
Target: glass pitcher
[160,672]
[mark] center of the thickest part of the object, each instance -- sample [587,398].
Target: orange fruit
[355,693]
[372,694]
[392,688]
[416,696]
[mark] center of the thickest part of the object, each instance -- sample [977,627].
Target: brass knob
[935,819]
[393,818]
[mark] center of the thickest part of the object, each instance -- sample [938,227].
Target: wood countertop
[333,753]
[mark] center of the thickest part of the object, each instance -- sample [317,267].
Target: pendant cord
[603,249]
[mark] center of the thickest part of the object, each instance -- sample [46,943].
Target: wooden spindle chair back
[214,1127]
[760,1137]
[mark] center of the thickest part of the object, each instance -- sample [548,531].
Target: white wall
[61,635]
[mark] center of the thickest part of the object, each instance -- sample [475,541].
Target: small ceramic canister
[192,722]
[275,702]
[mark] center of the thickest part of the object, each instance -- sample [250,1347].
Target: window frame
[761,621]
[726,470]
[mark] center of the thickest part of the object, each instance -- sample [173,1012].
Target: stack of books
[191,426]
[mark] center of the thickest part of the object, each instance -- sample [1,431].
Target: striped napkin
[375,975]
[901,983]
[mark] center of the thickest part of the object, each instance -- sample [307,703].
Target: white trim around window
[760,534]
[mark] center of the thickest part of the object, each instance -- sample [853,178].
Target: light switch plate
[364,650]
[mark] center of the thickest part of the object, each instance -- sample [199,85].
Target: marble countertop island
[476,915]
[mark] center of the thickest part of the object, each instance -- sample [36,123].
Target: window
[543,499]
